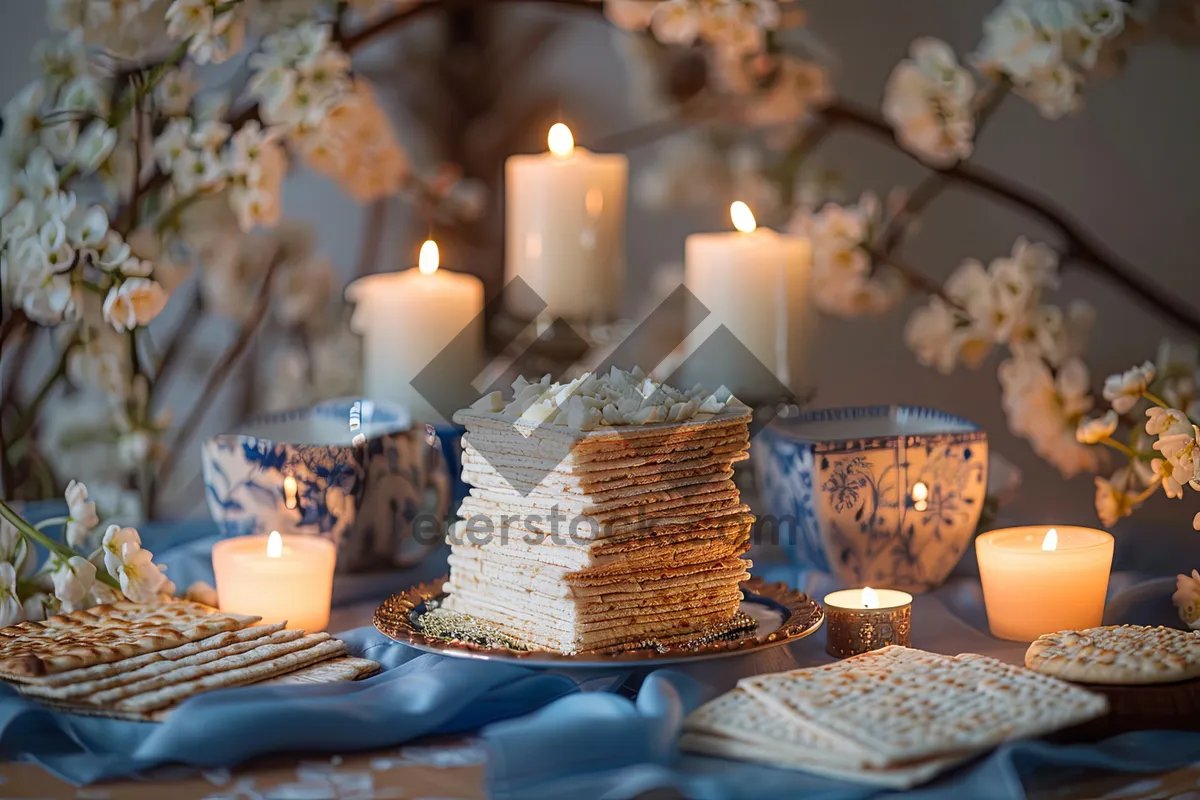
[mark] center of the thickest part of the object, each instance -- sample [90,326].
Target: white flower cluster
[1046,47]
[1174,434]
[128,29]
[1045,385]
[843,279]
[214,29]
[927,101]
[355,146]
[616,398]
[999,305]
[68,581]
[299,76]
[738,25]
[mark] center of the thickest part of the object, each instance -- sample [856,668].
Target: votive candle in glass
[279,578]
[1040,579]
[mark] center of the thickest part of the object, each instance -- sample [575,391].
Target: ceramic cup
[885,496]
[355,471]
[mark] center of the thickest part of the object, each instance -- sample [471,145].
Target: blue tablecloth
[554,735]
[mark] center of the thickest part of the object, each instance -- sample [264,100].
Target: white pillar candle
[279,578]
[755,282]
[407,319]
[565,232]
[1040,580]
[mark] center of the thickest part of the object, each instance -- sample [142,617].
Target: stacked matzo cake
[138,662]
[602,513]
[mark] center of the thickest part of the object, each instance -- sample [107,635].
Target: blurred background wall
[1127,168]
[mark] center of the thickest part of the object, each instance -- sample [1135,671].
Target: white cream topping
[617,398]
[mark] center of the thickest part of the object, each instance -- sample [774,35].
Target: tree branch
[1080,245]
[220,371]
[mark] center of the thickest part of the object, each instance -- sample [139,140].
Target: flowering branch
[216,378]
[62,551]
[1080,246]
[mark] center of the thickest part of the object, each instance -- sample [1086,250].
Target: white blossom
[141,579]
[134,302]
[11,610]
[39,179]
[175,91]
[1124,390]
[73,579]
[1113,498]
[82,514]
[355,145]
[931,335]
[676,22]
[1018,41]
[844,281]
[927,101]
[1163,472]
[87,228]
[15,549]
[94,146]
[1093,430]
[1045,408]
[116,542]
[631,15]
[1054,92]
[1166,421]
[112,252]
[1181,449]
[22,114]
[60,140]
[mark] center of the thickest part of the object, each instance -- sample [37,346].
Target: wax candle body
[861,620]
[296,586]
[1030,590]
[406,320]
[565,231]
[756,284]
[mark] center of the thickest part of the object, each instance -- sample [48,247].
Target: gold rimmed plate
[771,614]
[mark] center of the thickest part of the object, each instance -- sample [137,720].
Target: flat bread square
[107,633]
[909,705]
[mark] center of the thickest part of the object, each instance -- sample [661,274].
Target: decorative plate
[771,614]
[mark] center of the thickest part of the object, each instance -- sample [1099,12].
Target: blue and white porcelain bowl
[885,496]
[354,471]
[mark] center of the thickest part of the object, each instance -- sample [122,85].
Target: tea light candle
[1039,580]
[860,620]
[279,578]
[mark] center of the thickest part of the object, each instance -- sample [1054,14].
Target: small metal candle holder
[851,631]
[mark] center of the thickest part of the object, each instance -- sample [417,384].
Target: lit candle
[565,228]
[860,620]
[1038,580]
[279,578]
[755,282]
[407,319]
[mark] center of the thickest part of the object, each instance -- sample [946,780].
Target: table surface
[453,767]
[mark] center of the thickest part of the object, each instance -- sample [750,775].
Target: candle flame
[289,492]
[869,598]
[743,217]
[274,545]
[1051,540]
[920,496]
[427,262]
[560,140]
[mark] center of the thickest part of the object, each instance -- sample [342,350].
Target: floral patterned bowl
[352,470]
[879,496]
